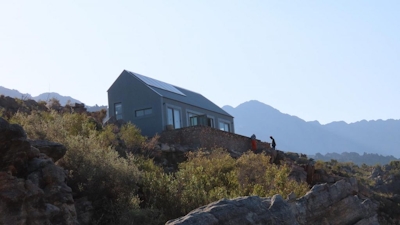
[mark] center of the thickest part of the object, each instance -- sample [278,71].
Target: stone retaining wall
[207,137]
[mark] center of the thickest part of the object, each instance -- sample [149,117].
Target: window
[203,120]
[193,120]
[210,122]
[224,126]
[118,111]
[143,112]
[174,117]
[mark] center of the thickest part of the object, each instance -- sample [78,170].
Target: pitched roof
[179,94]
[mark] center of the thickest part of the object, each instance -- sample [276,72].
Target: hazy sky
[318,60]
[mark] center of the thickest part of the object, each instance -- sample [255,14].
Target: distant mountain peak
[62,99]
[256,105]
[295,134]
[315,122]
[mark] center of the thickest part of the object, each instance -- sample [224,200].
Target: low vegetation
[111,165]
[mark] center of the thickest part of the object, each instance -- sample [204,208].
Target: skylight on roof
[158,84]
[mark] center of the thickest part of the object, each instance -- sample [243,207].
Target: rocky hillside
[109,174]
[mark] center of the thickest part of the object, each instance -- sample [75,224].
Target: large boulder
[323,204]
[33,189]
[335,204]
[243,210]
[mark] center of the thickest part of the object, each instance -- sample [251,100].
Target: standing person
[273,142]
[253,143]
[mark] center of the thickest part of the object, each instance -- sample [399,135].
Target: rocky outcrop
[33,189]
[335,204]
[13,105]
[53,150]
[323,204]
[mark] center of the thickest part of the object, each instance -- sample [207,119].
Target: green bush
[206,177]
[258,176]
[209,176]
[131,136]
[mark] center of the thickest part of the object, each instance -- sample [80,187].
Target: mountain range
[294,134]
[47,96]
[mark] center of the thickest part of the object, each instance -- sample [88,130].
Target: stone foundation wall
[206,137]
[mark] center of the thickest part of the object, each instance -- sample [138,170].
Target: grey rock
[165,147]
[53,150]
[377,171]
[323,204]
[291,197]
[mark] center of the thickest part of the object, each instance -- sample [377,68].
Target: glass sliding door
[177,119]
[174,117]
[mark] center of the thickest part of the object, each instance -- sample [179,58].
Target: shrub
[319,164]
[206,177]
[108,180]
[394,168]
[131,137]
[259,177]
[209,176]
[108,137]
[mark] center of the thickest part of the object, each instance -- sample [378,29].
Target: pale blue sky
[318,60]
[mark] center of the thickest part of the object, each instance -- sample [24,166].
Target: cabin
[154,106]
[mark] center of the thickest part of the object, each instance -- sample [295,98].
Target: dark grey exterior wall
[135,95]
[185,109]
